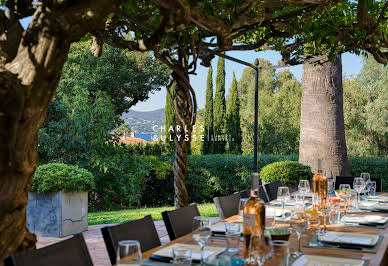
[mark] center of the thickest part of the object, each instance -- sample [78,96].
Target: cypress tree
[207,144]
[219,108]
[233,127]
[169,116]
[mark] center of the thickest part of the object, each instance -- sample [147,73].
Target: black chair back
[272,189]
[343,180]
[69,252]
[247,193]
[179,222]
[142,230]
[379,184]
[227,205]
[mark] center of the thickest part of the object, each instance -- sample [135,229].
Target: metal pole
[256,116]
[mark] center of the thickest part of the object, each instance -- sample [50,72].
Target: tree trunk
[322,132]
[185,110]
[27,85]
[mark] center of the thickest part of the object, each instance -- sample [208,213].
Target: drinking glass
[372,188]
[283,195]
[344,193]
[201,232]
[130,250]
[304,187]
[299,224]
[366,178]
[281,249]
[181,256]
[261,248]
[241,205]
[232,235]
[323,209]
[358,185]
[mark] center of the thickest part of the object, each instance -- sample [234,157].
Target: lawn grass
[111,217]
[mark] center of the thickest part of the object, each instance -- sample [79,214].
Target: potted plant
[58,200]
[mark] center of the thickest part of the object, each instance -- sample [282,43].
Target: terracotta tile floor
[96,244]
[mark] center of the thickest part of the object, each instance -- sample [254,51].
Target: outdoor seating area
[207,132]
[349,226]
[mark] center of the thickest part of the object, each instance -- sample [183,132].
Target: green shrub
[288,172]
[375,166]
[54,177]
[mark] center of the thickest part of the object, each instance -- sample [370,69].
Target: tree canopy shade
[178,33]
[126,77]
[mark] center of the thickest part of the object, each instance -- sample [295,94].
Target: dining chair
[272,189]
[142,230]
[247,193]
[72,251]
[227,205]
[179,222]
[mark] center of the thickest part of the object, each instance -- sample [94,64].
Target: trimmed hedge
[289,172]
[54,177]
[215,175]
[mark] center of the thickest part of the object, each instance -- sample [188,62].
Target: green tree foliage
[169,115]
[279,111]
[219,108]
[122,130]
[366,110]
[233,126]
[207,144]
[127,77]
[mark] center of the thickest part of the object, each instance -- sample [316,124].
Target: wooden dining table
[378,258]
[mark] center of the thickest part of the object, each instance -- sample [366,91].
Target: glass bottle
[254,218]
[320,183]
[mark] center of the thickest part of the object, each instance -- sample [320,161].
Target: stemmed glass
[366,178]
[241,205]
[283,195]
[344,194]
[304,187]
[358,185]
[201,232]
[298,223]
[323,209]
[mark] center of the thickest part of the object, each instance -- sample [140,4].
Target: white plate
[349,238]
[195,249]
[315,260]
[365,219]
[220,227]
[377,198]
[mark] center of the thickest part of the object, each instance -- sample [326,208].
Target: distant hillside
[142,122]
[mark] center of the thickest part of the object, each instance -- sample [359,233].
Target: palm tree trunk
[322,132]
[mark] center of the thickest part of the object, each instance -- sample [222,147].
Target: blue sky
[351,65]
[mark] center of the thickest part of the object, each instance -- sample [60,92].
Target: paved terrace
[96,244]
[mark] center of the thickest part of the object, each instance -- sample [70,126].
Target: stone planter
[57,214]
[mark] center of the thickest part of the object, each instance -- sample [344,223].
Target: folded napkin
[365,219]
[269,212]
[336,238]
[195,249]
[314,260]
[377,198]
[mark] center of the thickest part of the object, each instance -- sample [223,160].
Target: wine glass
[372,188]
[241,205]
[344,194]
[201,232]
[298,223]
[130,250]
[358,185]
[366,178]
[283,195]
[304,187]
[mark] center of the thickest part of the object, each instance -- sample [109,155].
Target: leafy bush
[155,149]
[288,172]
[375,166]
[54,177]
